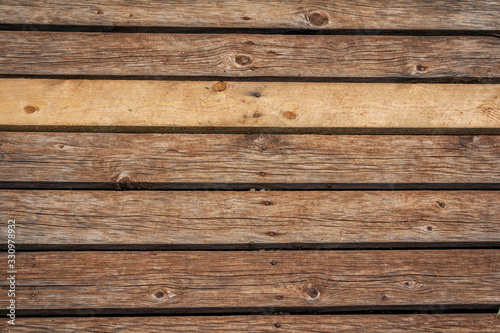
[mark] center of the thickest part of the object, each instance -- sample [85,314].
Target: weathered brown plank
[53,53]
[233,104]
[484,323]
[247,159]
[268,280]
[318,219]
[295,14]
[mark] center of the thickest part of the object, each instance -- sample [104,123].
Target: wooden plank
[121,282]
[480,322]
[247,159]
[233,104]
[237,55]
[294,14]
[241,219]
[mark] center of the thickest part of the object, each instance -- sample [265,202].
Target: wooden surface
[253,219]
[33,102]
[276,212]
[467,323]
[203,281]
[309,14]
[247,159]
[238,55]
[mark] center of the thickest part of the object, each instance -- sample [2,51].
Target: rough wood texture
[467,323]
[247,159]
[265,280]
[234,104]
[62,53]
[295,14]
[320,219]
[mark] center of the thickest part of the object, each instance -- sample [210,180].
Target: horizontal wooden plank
[234,104]
[247,159]
[484,323]
[215,219]
[237,55]
[267,280]
[295,14]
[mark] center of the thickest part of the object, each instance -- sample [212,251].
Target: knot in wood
[318,19]
[312,292]
[220,86]
[30,109]
[242,60]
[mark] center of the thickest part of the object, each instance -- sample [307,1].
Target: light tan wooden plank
[293,14]
[440,323]
[38,102]
[239,55]
[247,159]
[247,280]
[215,219]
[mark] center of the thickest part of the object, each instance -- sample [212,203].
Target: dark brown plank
[441,323]
[247,159]
[242,219]
[62,53]
[292,14]
[212,281]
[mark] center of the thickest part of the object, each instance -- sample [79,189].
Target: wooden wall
[259,166]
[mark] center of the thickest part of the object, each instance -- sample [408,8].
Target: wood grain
[443,323]
[38,102]
[238,55]
[247,159]
[243,219]
[209,281]
[291,14]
